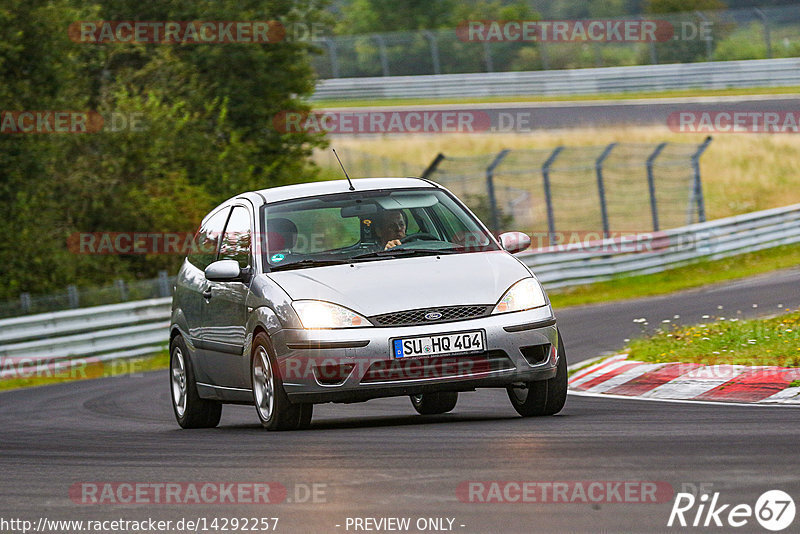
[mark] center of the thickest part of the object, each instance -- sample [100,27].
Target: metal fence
[623,188]
[724,35]
[75,297]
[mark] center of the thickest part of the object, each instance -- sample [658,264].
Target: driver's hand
[391,244]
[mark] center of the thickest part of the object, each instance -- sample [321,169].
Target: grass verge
[89,370]
[747,91]
[772,341]
[690,276]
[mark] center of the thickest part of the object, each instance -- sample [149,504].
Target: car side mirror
[223,271]
[515,242]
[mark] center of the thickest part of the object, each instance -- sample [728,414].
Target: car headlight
[319,314]
[524,295]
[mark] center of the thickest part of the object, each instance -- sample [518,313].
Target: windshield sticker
[277,258]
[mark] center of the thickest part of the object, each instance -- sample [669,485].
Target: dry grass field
[741,172]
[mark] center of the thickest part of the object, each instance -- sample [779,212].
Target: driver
[390,228]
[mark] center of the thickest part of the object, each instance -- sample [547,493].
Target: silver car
[331,292]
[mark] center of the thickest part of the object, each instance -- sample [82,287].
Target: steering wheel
[419,236]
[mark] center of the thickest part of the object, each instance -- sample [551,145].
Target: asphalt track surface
[600,113]
[379,459]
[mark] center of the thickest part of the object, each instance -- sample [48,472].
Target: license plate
[460,343]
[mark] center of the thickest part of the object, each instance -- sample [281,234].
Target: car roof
[288,192]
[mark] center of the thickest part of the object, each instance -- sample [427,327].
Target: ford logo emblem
[432,316]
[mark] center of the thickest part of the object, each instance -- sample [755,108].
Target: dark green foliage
[205,131]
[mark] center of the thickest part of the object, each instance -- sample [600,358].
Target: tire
[543,397]
[272,405]
[434,403]
[190,410]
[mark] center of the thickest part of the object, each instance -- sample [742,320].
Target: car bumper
[351,365]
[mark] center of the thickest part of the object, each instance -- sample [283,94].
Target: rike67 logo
[774,510]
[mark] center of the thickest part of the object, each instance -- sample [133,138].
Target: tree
[204,131]
[373,16]
[687,48]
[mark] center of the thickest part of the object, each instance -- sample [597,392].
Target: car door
[191,282]
[225,313]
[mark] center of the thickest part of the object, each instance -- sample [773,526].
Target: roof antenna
[344,171]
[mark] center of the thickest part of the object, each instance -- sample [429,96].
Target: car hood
[377,287]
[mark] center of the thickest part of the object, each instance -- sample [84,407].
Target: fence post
[767,41]
[434,50]
[163,284]
[709,48]
[548,197]
[598,55]
[652,46]
[332,55]
[651,184]
[72,296]
[123,291]
[382,52]
[543,56]
[25,302]
[601,189]
[487,57]
[490,188]
[432,167]
[698,186]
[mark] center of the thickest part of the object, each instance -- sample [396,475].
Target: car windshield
[367,226]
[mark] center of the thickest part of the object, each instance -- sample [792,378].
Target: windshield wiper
[307,263]
[402,252]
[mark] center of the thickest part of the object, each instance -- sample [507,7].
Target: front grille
[416,317]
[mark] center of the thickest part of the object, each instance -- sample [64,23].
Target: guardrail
[100,333]
[140,328]
[709,75]
[650,253]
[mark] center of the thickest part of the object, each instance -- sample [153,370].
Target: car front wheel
[543,397]
[272,405]
[434,403]
[190,410]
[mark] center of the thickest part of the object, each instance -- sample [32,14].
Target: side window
[413,226]
[207,240]
[237,237]
[448,220]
